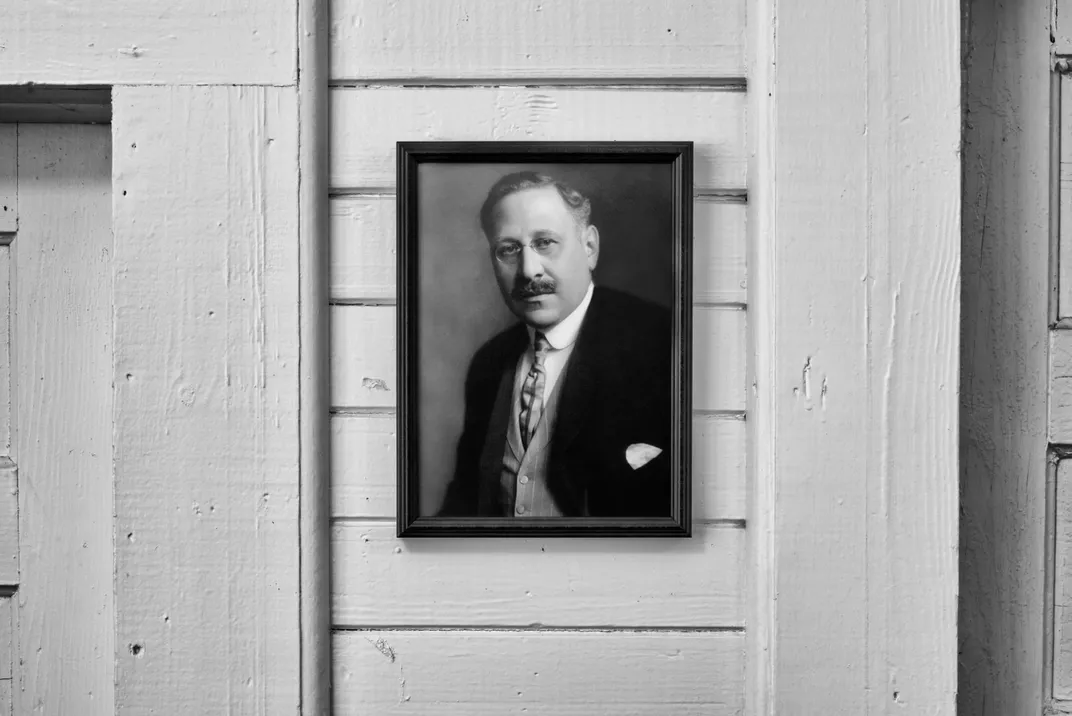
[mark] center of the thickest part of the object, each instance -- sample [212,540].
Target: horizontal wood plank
[363,250]
[364,477]
[380,580]
[363,358]
[9,209]
[366,123]
[9,523]
[533,39]
[478,673]
[122,42]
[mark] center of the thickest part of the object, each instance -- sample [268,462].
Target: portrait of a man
[546,346]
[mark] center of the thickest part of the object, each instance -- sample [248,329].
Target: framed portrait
[544,329]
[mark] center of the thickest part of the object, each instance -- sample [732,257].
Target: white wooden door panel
[63,421]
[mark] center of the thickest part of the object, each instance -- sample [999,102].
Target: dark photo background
[459,306]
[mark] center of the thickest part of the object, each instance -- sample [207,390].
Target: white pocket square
[640,454]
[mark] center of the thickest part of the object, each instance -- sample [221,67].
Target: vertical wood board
[857,406]
[6,306]
[533,39]
[9,202]
[7,641]
[63,359]
[132,42]
[556,673]
[206,399]
[9,523]
[1062,599]
[1003,432]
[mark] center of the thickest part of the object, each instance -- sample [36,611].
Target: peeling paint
[374,384]
[383,647]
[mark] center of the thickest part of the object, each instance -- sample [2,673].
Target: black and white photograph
[545,323]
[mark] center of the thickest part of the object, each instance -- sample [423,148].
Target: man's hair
[578,203]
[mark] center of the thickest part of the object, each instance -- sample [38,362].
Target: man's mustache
[536,287]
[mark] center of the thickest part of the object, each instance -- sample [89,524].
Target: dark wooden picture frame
[661,169]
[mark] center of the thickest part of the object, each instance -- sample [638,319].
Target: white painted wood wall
[822,575]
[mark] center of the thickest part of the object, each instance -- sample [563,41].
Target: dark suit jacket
[615,393]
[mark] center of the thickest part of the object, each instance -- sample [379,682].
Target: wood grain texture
[1003,363]
[364,477]
[856,441]
[475,673]
[9,524]
[1062,27]
[363,250]
[382,581]
[7,642]
[131,42]
[363,357]
[6,304]
[1062,617]
[366,157]
[1064,207]
[9,204]
[63,355]
[314,252]
[503,39]
[1060,402]
[206,399]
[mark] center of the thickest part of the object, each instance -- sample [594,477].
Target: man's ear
[591,245]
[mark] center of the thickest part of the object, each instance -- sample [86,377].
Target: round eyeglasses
[509,252]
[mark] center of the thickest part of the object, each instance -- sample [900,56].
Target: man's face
[543,259]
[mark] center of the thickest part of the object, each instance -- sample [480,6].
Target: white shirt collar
[565,332]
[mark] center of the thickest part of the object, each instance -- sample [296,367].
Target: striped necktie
[532,391]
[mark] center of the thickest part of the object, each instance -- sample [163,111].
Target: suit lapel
[580,380]
[491,457]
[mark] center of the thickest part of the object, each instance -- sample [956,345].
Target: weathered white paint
[1062,27]
[314,491]
[1060,402]
[363,250]
[5,348]
[134,42]
[366,123]
[558,673]
[9,523]
[9,205]
[7,636]
[1064,206]
[493,40]
[206,399]
[364,451]
[363,357]
[381,581]
[1006,209]
[1062,616]
[7,651]
[63,368]
[855,315]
